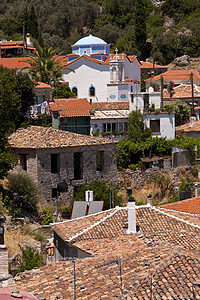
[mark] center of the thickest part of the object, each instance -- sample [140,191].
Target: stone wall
[5,277]
[39,168]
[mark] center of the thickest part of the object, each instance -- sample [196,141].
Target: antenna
[118,262]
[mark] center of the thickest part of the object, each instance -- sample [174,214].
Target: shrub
[47,217]
[23,185]
[30,259]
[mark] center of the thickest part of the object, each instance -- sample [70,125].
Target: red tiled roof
[132,57]
[11,43]
[176,75]
[111,105]
[131,80]
[71,107]
[191,206]
[87,57]
[30,138]
[161,262]
[183,91]
[14,62]
[189,128]
[147,65]
[42,85]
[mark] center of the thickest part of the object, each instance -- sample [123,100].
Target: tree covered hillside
[133,26]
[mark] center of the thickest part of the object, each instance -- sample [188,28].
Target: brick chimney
[5,277]
[131,213]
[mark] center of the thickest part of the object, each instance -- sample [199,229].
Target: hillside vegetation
[134,27]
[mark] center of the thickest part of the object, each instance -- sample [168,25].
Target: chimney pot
[131,213]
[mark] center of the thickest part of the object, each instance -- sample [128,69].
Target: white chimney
[88,196]
[149,200]
[28,39]
[192,121]
[131,213]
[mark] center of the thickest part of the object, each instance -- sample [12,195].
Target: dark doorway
[78,165]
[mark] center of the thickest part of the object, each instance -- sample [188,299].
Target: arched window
[75,91]
[92,91]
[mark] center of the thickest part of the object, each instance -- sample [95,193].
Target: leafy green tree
[24,87]
[135,126]
[102,192]
[182,112]
[9,116]
[22,184]
[62,91]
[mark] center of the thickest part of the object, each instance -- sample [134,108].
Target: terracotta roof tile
[147,65]
[14,62]
[177,75]
[182,91]
[36,137]
[191,206]
[189,128]
[42,85]
[163,259]
[71,107]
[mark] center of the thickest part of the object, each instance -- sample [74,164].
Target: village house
[190,129]
[124,253]
[51,156]
[161,124]
[72,115]
[150,69]
[10,49]
[110,118]
[177,76]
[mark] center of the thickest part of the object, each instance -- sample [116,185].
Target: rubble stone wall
[39,168]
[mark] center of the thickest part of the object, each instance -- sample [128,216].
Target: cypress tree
[140,27]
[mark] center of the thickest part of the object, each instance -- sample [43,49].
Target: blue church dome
[90,40]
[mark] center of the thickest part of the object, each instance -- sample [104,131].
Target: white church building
[99,75]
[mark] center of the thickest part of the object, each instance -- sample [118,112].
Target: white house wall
[118,92]
[167,124]
[132,70]
[88,73]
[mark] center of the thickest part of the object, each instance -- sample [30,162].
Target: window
[23,161]
[78,165]
[92,91]
[155,125]
[113,127]
[146,100]
[75,91]
[104,127]
[55,163]
[108,127]
[100,161]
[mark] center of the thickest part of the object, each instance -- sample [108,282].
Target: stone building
[50,156]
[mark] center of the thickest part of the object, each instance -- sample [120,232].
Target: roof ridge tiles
[95,224]
[177,218]
[100,212]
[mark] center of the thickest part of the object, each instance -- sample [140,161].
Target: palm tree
[45,65]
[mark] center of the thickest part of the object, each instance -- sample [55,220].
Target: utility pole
[161,89]
[191,80]
[24,37]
